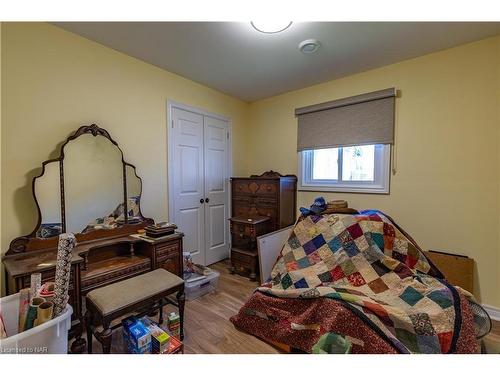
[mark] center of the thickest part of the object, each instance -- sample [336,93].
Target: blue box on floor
[136,336]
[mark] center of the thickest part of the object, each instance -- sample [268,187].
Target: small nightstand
[244,233]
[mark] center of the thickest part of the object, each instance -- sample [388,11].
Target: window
[346,169]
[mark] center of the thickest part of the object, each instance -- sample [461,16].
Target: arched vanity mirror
[89,190]
[93,184]
[134,187]
[48,195]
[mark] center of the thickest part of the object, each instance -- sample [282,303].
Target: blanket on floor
[300,323]
[372,266]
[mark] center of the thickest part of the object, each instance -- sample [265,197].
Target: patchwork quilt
[376,270]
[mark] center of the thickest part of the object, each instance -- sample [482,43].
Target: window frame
[381,172]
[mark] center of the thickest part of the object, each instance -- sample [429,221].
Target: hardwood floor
[492,341]
[495,330]
[207,328]
[207,325]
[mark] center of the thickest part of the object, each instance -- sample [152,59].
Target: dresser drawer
[252,187]
[241,242]
[254,200]
[171,264]
[267,202]
[244,201]
[242,210]
[270,212]
[239,229]
[166,249]
[46,276]
[27,282]
[243,258]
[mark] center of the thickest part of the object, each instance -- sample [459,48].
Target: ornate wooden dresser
[269,194]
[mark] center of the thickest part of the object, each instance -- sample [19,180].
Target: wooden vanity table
[96,264]
[103,212]
[111,260]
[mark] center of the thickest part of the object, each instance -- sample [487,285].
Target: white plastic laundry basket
[49,337]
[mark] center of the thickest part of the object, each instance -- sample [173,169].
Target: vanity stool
[141,294]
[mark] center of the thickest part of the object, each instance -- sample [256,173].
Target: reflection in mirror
[48,193]
[93,184]
[134,195]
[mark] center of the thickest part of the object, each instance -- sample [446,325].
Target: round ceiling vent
[309,46]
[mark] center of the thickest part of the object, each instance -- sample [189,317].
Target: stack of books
[160,229]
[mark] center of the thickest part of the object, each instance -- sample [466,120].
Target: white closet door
[188,180]
[216,190]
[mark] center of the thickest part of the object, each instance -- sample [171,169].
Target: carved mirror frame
[31,242]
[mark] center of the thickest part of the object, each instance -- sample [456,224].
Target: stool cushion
[114,297]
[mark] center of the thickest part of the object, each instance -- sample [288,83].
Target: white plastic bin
[198,288]
[49,337]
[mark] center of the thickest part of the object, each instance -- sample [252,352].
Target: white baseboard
[493,311]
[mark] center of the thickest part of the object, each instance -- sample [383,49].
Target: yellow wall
[54,81]
[446,189]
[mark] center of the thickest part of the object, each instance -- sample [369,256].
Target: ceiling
[234,58]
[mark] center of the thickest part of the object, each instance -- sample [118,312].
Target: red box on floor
[175,347]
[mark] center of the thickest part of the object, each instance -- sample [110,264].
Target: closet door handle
[202,201]
[207,200]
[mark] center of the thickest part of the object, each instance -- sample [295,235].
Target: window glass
[358,163]
[325,164]
[346,169]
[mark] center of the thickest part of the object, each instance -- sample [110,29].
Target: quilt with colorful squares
[378,271]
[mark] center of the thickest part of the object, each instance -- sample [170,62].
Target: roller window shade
[358,120]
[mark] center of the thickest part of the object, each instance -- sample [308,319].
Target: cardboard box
[175,346]
[457,269]
[160,340]
[126,323]
[137,336]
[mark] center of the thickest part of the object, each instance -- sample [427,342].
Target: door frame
[171,104]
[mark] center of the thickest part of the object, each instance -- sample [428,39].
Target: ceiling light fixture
[271,26]
[309,46]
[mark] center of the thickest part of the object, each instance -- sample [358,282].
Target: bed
[360,277]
